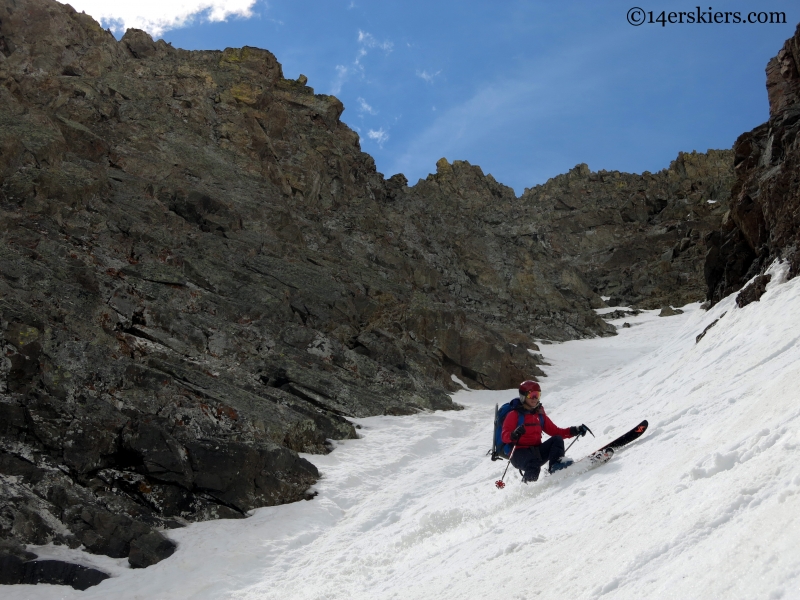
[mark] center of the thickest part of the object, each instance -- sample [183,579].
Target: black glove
[580,430]
[517,433]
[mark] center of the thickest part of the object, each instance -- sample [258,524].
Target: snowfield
[704,505]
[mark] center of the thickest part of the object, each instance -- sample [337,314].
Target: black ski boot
[561,463]
[531,476]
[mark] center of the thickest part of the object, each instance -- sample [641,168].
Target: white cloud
[362,52]
[429,77]
[158,16]
[342,73]
[379,136]
[366,42]
[365,108]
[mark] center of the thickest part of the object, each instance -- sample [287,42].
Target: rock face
[198,281]
[482,242]
[764,219]
[538,263]
[202,275]
[637,239]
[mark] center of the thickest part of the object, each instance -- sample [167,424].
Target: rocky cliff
[636,239]
[199,279]
[764,219]
[202,275]
[536,263]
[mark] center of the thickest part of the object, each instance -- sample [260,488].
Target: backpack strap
[520,421]
[541,421]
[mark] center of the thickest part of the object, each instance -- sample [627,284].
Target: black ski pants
[530,460]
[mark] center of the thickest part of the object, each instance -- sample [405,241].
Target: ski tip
[627,438]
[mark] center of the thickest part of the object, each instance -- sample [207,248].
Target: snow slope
[704,505]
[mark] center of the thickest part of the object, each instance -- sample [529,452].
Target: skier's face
[532,401]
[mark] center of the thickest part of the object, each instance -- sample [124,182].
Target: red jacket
[533,428]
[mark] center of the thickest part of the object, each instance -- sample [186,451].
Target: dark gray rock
[764,219]
[17,565]
[620,314]
[639,239]
[754,291]
[149,549]
[703,333]
[14,570]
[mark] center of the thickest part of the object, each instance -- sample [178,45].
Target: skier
[523,429]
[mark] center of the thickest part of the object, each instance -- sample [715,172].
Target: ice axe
[576,438]
[500,484]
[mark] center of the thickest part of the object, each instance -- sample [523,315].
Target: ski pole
[500,484]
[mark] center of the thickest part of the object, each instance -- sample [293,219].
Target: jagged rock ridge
[637,239]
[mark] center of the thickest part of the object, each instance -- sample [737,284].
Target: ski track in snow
[704,505]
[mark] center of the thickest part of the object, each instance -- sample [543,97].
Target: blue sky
[525,89]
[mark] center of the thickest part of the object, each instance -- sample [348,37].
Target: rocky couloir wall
[201,275]
[637,239]
[199,280]
[764,219]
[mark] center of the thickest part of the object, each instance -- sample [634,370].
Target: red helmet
[529,389]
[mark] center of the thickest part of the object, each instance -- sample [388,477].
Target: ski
[604,454]
[587,463]
[595,459]
[627,438]
[601,456]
